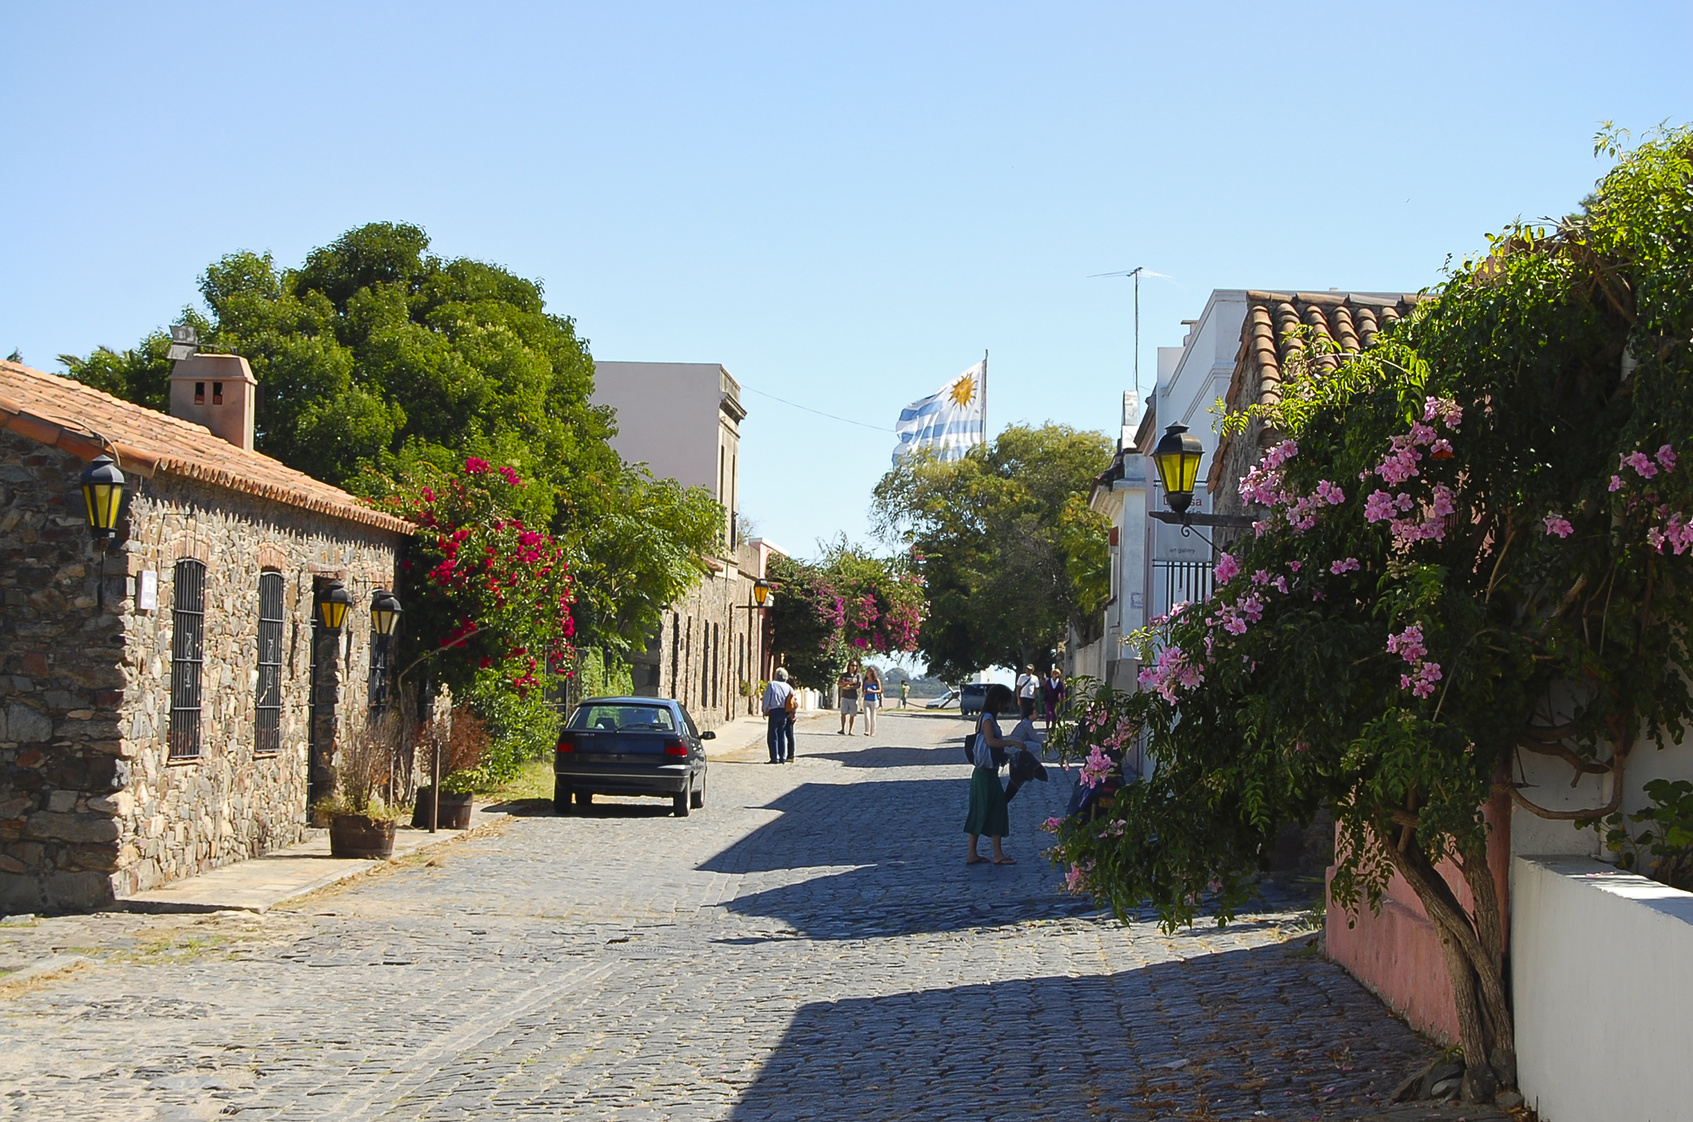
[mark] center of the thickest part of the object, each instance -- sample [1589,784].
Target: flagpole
[984,396]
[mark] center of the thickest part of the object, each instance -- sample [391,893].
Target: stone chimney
[217,391]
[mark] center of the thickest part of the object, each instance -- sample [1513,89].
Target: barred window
[267,734]
[187,651]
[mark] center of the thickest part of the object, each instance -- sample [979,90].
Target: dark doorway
[325,696]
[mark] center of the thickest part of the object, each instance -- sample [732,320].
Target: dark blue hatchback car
[630,746]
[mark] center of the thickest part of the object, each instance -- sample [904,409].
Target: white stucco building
[681,419]
[1119,493]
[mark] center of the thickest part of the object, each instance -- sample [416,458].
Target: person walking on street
[847,691]
[1027,685]
[780,702]
[988,814]
[872,699]
[904,692]
[1052,694]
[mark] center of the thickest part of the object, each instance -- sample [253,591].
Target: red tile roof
[1272,333]
[85,422]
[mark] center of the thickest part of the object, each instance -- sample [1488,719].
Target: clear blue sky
[843,204]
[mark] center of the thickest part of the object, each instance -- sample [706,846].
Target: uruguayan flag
[949,421]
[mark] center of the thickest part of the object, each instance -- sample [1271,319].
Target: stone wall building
[157,692]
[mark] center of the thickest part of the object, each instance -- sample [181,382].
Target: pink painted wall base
[1396,953]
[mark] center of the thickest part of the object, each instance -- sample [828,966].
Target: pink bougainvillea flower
[1641,463]
[1378,507]
[1227,568]
[1559,525]
[1666,457]
[1344,565]
[1616,483]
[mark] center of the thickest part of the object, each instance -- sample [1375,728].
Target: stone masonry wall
[90,805]
[61,760]
[182,817]
[707,646]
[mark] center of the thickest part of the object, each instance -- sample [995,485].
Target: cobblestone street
[809,945]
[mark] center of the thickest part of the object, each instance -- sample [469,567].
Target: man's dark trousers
[780,731]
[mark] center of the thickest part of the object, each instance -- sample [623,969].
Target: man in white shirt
[779,717]
[1027,687]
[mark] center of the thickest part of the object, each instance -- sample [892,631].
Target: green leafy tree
[378,362]
[1007,547]
[1475,543]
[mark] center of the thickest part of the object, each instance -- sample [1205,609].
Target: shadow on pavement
[906,839]
[884,755]
[1236,1035]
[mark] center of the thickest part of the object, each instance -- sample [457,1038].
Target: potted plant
[361,823]
[454,746]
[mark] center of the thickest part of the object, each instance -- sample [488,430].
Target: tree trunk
[1474,954]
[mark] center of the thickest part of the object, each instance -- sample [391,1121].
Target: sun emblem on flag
[964,390]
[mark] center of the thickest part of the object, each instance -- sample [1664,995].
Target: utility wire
[819,412]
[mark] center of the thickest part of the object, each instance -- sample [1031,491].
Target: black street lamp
[760,592]
[1177,455]
[332,606]
[102,491]
[384,619]
[384,612]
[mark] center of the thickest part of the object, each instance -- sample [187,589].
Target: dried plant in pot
[453,745]
[361,823]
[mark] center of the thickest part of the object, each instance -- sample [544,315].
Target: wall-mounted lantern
[384,612]
[760,592]
[1177,456]
[332,606]
[102,490]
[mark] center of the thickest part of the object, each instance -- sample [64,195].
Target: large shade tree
[1007,546]
[381,365]
[1476,542]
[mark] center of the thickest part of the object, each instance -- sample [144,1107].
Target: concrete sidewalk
[261,883]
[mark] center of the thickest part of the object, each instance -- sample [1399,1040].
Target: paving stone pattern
[809,945]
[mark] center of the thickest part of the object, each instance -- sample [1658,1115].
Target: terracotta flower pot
[359,835]
[455,810]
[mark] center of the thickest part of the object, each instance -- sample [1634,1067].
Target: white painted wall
[1191,378]
[1602,972]
[671,417]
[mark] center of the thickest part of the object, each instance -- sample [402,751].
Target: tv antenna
[1135,273]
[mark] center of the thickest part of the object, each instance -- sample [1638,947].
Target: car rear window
[623,718]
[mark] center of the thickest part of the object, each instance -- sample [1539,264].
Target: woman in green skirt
[987,798]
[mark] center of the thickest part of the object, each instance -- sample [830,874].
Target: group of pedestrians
[859,690]
[989,813]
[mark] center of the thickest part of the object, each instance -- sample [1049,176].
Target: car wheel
[561,797]
[584,799]
[680,803]
[697,798]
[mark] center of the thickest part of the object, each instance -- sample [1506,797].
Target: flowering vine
[484,590]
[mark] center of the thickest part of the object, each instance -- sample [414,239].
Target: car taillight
[565,744]
[675,748]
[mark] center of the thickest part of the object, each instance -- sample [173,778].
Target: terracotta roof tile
[84,421]
[1274,330]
